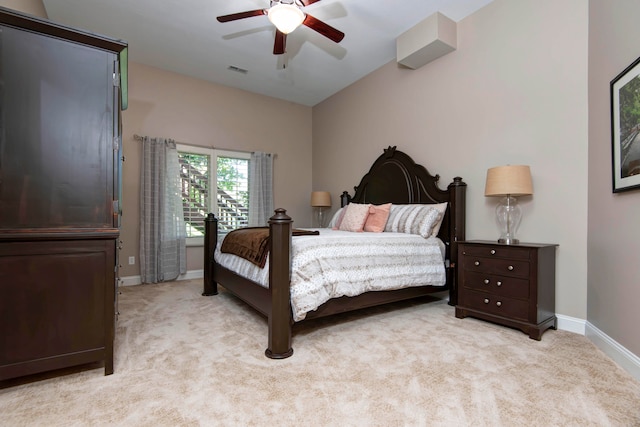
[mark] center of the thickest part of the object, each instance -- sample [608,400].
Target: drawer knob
[510,268]
[499,303]
[486,281]
[476,263]
[498,283]
[493,251]
[486,300]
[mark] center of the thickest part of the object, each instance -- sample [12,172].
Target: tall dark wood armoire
[60,155]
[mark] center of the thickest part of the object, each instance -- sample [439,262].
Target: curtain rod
[141,138]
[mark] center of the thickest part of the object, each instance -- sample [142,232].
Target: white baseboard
[571,324]
[623,357]
[135,280]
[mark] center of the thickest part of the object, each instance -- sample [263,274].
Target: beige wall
[514,92]
[614,219]
[32,7]
[164,104]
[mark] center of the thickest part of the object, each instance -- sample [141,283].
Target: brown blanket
[252,243]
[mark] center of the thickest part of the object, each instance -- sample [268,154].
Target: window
[203,169]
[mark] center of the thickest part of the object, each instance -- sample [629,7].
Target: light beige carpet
[187,360]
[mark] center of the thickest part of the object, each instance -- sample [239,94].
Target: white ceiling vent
[428,40]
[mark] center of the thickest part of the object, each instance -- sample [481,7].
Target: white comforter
[342,263]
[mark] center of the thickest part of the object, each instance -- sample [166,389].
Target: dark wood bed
[393,178]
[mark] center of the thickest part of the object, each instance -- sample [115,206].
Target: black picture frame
[625,128]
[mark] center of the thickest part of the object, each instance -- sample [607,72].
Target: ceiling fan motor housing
[292,2]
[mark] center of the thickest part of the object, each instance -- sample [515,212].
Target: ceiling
[184,36]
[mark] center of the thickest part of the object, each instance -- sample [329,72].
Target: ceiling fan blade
[324,29]
[308,2]
[241,15]
[280,43]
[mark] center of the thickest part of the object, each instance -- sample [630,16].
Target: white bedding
[342,263]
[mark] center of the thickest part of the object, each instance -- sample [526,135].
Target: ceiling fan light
[286,17]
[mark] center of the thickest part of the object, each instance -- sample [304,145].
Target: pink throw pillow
[377,219]
[354,217]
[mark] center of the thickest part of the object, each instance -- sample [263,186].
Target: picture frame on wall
[625,128]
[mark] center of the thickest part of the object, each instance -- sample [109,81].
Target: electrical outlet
[132,260]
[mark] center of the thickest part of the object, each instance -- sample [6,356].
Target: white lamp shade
[321,199]
[286,17]
[509,180]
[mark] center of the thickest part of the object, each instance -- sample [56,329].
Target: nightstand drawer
[497,251]
[506,267]
[496,305]
[497,285]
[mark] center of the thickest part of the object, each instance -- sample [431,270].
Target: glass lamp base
[321,217]
[509,241]
[508,215]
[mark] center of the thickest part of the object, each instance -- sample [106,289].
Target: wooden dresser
[513,285]
[60,154]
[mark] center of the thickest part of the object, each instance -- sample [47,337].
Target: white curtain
[260,189]
[162,226]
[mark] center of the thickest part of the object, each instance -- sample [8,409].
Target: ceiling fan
[287,15]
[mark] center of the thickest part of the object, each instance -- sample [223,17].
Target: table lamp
[321,200]
[508,182]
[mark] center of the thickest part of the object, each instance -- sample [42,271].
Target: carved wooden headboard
[395,178]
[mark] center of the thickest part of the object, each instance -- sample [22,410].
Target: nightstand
[512,285]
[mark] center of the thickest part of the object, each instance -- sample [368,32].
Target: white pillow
[334,220]
[354,217]
[413,219]
[442,208]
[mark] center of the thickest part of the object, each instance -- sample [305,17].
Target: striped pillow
[413,219]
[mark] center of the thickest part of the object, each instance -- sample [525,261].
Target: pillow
[413,219]
[354,217]
[377,218]
[336,219]
[442,208]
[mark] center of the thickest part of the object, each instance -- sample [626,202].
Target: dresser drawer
[497,305]
[505,267]
[497,251]
[497,285]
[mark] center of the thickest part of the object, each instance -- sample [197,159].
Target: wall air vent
[237,69]
[426,41]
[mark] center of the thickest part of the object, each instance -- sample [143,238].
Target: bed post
[280,317]
[457,193]
[345,199]
[210,243]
